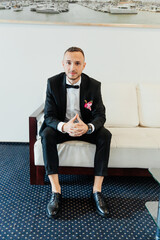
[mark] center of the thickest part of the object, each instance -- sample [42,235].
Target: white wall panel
[29,54]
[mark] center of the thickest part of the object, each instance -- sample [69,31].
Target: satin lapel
[82,94]
[63,96]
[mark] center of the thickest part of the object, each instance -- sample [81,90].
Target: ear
[84,65]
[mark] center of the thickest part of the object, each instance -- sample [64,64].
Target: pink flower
[88,105]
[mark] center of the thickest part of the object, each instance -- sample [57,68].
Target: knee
[108,134]
[48,134]
[104,135]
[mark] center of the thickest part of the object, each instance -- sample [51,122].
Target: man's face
[73,64]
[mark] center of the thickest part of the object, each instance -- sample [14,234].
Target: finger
[73,134]
[74,118]
[79,118]
[78,135]
[78,125]
[76,131]
[79,129]
[74,125]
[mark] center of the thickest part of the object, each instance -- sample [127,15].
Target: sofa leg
[40,173]
[37,174]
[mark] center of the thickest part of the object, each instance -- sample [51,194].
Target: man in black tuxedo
[74,111]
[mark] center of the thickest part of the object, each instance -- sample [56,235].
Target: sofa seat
[130,148]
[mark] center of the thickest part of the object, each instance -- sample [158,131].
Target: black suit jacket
[55,104]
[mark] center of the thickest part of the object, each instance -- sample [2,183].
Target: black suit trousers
[50,138]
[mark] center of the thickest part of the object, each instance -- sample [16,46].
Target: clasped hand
[75,129]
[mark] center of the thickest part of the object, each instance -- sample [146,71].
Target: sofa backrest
[121,105]
[149,104]
[130,105]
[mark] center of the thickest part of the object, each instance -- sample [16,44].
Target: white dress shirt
[73,104]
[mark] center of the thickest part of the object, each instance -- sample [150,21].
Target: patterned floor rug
[23,207]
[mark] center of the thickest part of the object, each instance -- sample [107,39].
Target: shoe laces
[52,198]
[55,197]
[101,199]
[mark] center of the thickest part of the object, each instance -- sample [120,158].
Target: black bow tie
[72,86]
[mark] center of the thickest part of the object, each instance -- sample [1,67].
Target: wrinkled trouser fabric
[50,138]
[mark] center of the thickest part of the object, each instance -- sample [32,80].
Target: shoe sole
[102,215]
[55,216]
[99,213]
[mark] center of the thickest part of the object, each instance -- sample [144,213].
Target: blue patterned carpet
[23,207]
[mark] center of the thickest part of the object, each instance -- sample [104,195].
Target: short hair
[75,49]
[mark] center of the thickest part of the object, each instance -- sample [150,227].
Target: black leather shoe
[100,204]
[54,205]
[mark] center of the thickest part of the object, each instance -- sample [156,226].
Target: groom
[74,111]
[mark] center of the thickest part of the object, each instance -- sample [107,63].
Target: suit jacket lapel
[63,96]
[83,91]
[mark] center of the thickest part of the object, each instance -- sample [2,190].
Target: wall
[29,54]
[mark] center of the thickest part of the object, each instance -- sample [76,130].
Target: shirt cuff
[93,127]
[59,126]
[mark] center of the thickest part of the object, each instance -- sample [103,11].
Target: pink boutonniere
[88,105]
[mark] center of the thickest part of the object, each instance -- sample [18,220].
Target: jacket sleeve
[98,113]
[50,109]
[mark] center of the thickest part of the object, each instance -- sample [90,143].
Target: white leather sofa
[133,118]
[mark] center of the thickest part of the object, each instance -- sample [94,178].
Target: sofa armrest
[37,112]
[33,118]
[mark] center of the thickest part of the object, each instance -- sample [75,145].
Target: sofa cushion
[121,105]
[139,137]
[149,104]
